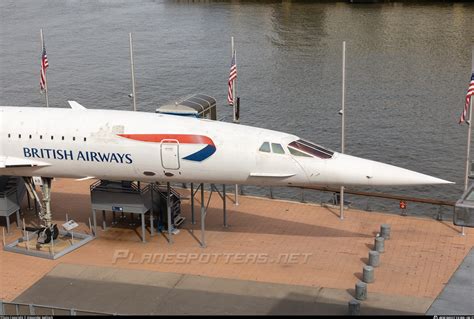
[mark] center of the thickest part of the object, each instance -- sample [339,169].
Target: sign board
[37,181]
[70,225]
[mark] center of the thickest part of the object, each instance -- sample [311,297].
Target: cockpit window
[277,148]
[265,147]
[310,148]
[298,153]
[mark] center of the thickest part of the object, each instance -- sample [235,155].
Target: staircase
[175,200]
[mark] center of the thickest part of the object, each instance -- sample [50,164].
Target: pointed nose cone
[384,174]
[359,171]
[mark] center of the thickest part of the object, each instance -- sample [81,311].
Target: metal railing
[271,189]
[305,193]
[385,196]
[8,192]
[103,185]
[26,309]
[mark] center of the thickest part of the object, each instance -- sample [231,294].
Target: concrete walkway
[121,291]
[457,298]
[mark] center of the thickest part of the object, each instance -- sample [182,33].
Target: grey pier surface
[457,297]
[128,291]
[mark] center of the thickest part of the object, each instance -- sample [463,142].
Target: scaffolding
[124,197]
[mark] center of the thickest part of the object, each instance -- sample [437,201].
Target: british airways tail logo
[198,156]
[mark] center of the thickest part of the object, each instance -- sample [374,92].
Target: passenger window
[297,153]
[265,147]
[277,148]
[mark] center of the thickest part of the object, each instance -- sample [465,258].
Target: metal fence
[307,190]
[24,309]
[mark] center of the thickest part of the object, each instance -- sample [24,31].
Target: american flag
[470,92]
[44,66]
[232,78]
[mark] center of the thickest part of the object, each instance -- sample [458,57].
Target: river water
[408,67]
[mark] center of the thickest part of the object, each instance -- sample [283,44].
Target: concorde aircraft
[135,146]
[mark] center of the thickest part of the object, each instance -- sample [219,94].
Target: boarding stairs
[175,205]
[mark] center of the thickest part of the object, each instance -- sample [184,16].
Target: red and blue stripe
[198,156]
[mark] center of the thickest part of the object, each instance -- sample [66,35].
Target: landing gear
[45,234]
[52,242]
[47,229]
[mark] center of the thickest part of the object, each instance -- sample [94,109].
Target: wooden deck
[272,241]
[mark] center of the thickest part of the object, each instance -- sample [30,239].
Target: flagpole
[468,153]
[341,198]
[235,82]
[469,131]
[133,74]
[45,80]
[234,90]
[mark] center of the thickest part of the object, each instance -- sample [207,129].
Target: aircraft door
[170,154]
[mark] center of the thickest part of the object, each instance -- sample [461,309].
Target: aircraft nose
[384,174]
[359,171]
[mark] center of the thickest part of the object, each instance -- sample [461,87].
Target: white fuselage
[139,146]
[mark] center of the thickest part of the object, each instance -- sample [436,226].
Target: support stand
[203,219]
[168,210]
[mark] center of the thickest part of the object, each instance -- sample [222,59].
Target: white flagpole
[45,81]
[469,130]
[234,100]
[233,86]
[341,198]
[234,89]
[133,74]
[468,153]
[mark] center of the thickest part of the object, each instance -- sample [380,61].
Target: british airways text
[86,156]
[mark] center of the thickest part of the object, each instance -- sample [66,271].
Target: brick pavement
[420,257]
